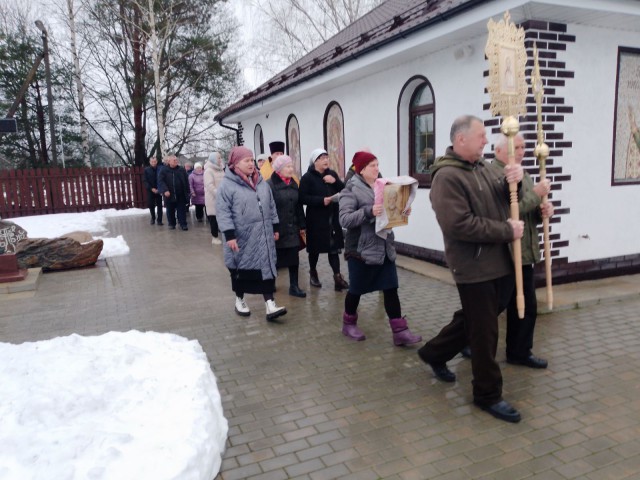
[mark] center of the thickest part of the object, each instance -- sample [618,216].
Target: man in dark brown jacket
[471,202]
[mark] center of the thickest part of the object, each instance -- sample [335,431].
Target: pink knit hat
[280,162]
[237,154]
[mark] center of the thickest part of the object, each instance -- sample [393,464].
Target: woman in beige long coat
[213,174]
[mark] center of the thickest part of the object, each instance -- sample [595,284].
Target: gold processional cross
[508,90]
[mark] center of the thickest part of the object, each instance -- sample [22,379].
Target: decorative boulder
[78,236]
[10,234]
[57,253]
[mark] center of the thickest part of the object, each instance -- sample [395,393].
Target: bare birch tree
[187,68]
[84,131]
[157,46]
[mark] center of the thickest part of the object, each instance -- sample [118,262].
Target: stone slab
[30,283]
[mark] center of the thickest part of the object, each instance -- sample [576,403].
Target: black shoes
[440,370]
[531,361]
[502,411]
[172,227]
[159,223]
[313,279]
[295,291]
[184,227]
[339,282]
[153,221]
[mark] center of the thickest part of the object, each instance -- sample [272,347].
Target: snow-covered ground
[120,406]
[115,407]
[54,225]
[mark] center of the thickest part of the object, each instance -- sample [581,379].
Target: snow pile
[57,224]
[118,406]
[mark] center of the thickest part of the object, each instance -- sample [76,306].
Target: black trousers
[154,202]
[176,207]
[391,303]
[213,223]
[476,325]
[520,331]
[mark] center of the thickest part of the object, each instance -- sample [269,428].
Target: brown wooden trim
[619,183]
[424,180]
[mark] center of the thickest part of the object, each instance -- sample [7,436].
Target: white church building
[395,80]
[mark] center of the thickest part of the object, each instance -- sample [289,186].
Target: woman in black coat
[291,217]
[319,189]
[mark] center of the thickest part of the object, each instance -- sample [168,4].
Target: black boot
[294,290]
[340,282]
[313,279]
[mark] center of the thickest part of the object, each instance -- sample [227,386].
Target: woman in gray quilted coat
[371,258]
[247,217]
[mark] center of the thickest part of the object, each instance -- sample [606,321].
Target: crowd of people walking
[263,216]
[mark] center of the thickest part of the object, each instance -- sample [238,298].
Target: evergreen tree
[29,147]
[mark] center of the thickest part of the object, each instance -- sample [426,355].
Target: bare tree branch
[293,28]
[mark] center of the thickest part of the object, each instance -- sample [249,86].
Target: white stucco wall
[607,215]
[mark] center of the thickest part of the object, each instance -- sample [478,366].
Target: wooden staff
[542,152]
[508,89]
[510,128]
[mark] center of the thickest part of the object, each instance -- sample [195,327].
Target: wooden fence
[56,190]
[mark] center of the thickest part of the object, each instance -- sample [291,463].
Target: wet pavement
[304,402]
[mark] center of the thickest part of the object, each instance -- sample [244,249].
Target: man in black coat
[154,199]
[173,184]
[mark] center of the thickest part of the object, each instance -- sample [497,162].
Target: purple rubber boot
[401,333]
[350,327]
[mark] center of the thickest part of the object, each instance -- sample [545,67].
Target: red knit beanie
[362,159]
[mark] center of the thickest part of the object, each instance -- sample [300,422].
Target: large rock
[10,234]
[79,236]
[57,253]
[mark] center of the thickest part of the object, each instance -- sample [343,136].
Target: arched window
[258,140]
[334,137]
[292,135]
[416,130]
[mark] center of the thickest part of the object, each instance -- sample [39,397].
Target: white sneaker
[273,310]
[215,241]
[241,307]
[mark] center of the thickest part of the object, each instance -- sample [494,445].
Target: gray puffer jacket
[249,216]
[356,215]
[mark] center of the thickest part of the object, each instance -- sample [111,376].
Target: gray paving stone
[305,402]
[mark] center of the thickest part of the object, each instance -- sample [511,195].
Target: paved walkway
[303,402]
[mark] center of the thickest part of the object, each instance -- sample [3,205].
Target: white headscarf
[315,154]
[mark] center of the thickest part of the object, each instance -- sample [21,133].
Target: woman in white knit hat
[319,191]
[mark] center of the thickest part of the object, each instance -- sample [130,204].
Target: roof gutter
[237,130]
